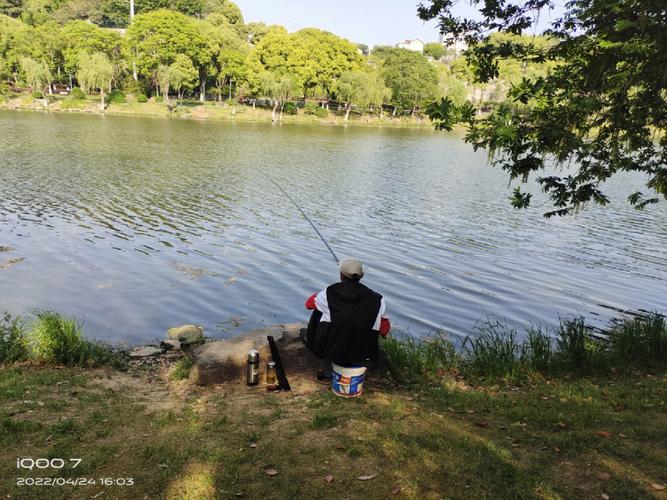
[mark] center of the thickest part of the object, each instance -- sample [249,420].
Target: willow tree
[95,73]
[601,110]
[163,81]
[37,74]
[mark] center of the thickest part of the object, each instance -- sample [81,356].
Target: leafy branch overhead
[599,111]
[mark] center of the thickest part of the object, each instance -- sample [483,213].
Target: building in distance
[415,45]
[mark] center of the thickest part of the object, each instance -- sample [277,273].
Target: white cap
[351,268]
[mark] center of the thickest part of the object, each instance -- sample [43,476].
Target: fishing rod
[333,254]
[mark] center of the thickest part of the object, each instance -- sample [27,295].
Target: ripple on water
[136,225]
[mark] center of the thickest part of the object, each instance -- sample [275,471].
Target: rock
[145,351]
[170,345]
[187,334]
[225,360]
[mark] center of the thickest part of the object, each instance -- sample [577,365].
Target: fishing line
[333,254]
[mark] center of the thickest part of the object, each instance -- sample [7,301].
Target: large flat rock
[224,361]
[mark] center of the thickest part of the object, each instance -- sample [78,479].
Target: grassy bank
[553,438]
[202,111]
[454,426]
[50,338]
[493,351]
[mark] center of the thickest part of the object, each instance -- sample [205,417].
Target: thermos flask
[252,370]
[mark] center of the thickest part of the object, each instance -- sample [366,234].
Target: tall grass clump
[60,340]
[640,341]
[537,351]
[578,351]
[181,369]
[493,351]
[411,358]
[12,340]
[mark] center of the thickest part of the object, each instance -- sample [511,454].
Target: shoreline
[208,111]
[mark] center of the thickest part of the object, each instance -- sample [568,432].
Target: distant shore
[209,110]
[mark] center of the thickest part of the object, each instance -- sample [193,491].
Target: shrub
[310,108]
[289,108]
[77,93]
[12,339]
[314,109]
[132,86]
[115,97]
[37,95]
[142,98]
[159,98]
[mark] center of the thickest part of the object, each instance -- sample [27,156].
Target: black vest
[349,338]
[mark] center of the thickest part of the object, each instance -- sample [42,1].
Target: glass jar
[271,372]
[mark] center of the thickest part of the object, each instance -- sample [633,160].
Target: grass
[53,338]
[12,340]
[181,369]
[563,414]
[409,359]
[493,351]
[550,438]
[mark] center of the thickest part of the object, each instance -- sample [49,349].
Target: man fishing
[347,319]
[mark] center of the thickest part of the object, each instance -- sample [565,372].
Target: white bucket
[347,381]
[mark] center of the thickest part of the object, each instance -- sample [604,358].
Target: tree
[411,78]
[378,92]
[278,53]
[232,69]
[255,32]
[600,109]
[226,53]
[451,86]
[326,58]
[312,58]
[95,73]
[163,80]
[11,8]
[182,74]
[37,74]
[352,88]
[90,10]
[80,37]
[434,50]
[158,37]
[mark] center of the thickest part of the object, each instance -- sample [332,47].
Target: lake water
[134,225]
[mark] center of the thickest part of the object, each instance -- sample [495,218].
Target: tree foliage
[182,74]
[158,37]
[600,109]
[411,78]
[95,73]
[36,73]
[434,50]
